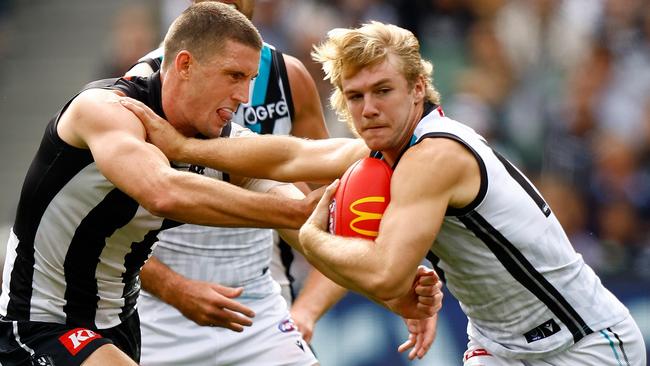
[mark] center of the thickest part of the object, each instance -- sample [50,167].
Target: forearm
[356,264]
[160,280]
[198,200]
[317,296]
[281,158]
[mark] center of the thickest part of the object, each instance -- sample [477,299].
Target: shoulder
[296,70]
[100,109]
[442,164]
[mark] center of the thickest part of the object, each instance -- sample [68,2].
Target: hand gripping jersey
[238,256]
[78,242]
[507,260]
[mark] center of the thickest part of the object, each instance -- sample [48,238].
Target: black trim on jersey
[525,184]
[287,257]
[281,69]
[526,274]
[620,345]
[62,162]
[133,261]
[434,260]
[86,246]
[452,211]
[154,63]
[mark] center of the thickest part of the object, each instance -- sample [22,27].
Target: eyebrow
[373,85]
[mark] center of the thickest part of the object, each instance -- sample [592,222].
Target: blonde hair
[203,29]
[347,51]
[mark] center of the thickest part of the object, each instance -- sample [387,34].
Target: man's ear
[182,63]
[419,89]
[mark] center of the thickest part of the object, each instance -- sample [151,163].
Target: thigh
[620,345]
[272,340]
[108,354]
[169,338]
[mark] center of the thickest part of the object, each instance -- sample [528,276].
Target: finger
[329,193]
[426,300]
[227,319]
[236,307]
[408,344]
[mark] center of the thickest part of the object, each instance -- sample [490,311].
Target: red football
[361,198]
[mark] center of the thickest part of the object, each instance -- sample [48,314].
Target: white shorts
[168,338]
[620,345]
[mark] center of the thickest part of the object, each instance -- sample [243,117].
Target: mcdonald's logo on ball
[360,200]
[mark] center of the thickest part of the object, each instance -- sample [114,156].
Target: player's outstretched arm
[282,158]
[96,120]
[208,304]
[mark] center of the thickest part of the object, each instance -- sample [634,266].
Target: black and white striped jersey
[78,243]
[507,260]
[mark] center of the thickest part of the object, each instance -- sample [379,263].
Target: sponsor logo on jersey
[287,326]
[76,339]
[260,113]
[299,344]
[364,216]
[546,329]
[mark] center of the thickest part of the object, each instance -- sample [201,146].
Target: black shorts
[53,344]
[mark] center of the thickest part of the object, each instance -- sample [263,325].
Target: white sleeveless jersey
[507,260]
[228,256]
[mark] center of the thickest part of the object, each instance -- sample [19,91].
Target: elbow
[162,205]
[160,200]
[385,286]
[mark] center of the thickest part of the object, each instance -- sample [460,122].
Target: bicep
[422,188]
[116,140]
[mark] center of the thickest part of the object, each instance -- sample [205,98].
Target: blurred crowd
[561,87]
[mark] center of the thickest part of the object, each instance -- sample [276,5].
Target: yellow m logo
[364,216]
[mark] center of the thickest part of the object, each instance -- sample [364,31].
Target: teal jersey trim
[611,344]
[262,79]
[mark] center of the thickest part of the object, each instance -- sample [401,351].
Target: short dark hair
[203,29]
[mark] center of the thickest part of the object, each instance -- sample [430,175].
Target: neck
[391,156]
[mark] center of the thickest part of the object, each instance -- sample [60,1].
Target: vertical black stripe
[80,265]
[523,182]
[287,257]
[526,274]
[54,165]
[281,70]
[620,344]
[133,262]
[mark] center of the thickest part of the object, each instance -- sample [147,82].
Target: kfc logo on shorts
[287,326]
[76,339]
